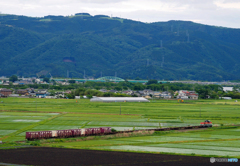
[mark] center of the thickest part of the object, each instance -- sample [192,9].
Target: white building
[184,94]
[225,98]
[227,89]
[119,99]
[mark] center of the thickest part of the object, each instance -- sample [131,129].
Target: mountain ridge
[170,50]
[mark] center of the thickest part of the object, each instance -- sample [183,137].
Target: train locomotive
[206,123]
[67,133]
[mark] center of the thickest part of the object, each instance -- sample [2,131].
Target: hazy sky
[212,12]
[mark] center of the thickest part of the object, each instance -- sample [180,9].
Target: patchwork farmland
[20,115]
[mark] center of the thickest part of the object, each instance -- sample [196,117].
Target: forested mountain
[173,50]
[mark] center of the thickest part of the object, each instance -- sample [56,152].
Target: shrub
[113,130]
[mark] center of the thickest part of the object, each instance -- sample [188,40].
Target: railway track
[131,131]
[160,129]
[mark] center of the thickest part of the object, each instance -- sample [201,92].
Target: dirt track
[69,157]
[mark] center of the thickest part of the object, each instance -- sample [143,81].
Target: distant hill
[173,50]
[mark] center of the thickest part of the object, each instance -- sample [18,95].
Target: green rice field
[203,143]
[20,115]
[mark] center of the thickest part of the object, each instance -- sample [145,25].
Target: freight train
[98,131]
[67,133]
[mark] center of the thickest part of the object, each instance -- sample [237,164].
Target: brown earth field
[77,157]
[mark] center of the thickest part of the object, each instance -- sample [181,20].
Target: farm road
[77,157]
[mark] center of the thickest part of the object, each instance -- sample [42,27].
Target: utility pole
[36,106]
[200,111]
[120,108]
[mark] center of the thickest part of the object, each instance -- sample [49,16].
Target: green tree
[13,78]
[151,82]
[46,79]
[72,81]
[203,93]
[70,96]
[137,78]
[118,88]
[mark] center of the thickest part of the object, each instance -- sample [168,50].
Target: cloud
[103,1]
[229,4]
[213,12]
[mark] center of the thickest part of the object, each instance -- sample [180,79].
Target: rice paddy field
[20,115]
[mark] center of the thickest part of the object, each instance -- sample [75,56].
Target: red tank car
[67,133]
[33,135]
[88,131]
[64,133]
[206,123]
[41,135]
[96,131]
[30,135]
[76,132]
[105,130]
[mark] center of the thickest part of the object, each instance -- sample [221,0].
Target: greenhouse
[119,99]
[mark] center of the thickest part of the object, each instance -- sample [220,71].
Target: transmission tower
[187,36]
[162,60]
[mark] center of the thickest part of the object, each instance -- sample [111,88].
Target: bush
[35,143]
[113,130]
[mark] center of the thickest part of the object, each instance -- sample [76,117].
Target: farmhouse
[119,99]
[184,94]
[5,92]
[22,92]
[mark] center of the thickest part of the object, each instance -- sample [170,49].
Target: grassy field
[20,115]
[224,142]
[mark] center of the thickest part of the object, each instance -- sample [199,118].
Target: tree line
[92,88]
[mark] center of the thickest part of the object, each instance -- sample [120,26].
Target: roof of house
[22,90]
[113,91]
[6,90]
[40,93]
[119,99]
